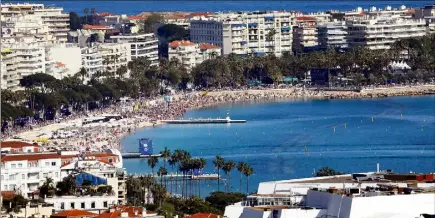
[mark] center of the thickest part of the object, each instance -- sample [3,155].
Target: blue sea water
[135,7]
[288,139]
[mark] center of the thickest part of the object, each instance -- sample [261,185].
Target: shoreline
[202,100]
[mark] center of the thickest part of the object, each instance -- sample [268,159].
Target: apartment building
[115,55]
[23,56]
[53,17]
[332,35]
[24,173]
[246,33]
[141,45]
[305,34]
[190,54]
[92,61]
[88,203]
[382,32]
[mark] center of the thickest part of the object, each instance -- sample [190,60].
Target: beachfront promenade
[71,134]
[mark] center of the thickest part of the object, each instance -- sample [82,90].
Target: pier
[205,121]
[136,155]
[179,177]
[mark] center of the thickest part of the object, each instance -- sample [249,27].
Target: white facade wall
[88,203]
[70,56]
[115,55]
[26,176]
[332,35]
[246,33]
[141,45]
[381,33]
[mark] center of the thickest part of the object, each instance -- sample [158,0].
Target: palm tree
[152,162]
[201,165]
[227,168]
[159,193]
[82,72]
[86,11]
[248,171]
[93,12]
[218,162]
[173,161]
[241,167]
[162,172]
[165,154]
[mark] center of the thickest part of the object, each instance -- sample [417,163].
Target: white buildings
[28,31]
[67,60]
[57,22]
[190,54]
[24,173]
[305,33]
[141,45]
[358,195]
[380,33]
[332,35]
[88,203]
[246,33]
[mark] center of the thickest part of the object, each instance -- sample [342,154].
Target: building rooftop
[203,215]
[205,46]
[52,155]
[115,212]
[179,43]
[94,27]
[17,144]
[73,213]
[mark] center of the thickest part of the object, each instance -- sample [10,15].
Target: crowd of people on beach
[138,113]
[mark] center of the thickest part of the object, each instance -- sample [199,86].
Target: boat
[204,121]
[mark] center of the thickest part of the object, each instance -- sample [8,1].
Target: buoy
[334,128]
[401,116]
[373,119]
[345,126]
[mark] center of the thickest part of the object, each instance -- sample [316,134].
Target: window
[56,174]
[45,175]
[3,178]
[23,176]
[6,187]
[11,187]
[20,165]
[72,205]
[47,164]
[93,204]
[105,204]
[13,166]
[11,177]
[53,163]
[82,205]
[62,206]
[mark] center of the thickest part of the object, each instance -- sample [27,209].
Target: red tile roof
[306,18]
[178,43]
[8,195]
[137,17]
[73,213]
[103,14]
[16,144]
[94,27]
[205,46]
[203,215]
[120,209]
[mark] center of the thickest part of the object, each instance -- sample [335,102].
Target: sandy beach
[71,134]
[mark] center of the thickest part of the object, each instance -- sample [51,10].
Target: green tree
[67,186]
[152,22]
[248,171]
[221,199]
[74,21]
[241,167]
[218,163]
[152,162]
[326,171]
[227,168]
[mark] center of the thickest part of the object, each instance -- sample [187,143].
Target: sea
[132,7]
[293,138]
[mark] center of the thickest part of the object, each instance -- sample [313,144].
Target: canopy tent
[399,65]
[95,180]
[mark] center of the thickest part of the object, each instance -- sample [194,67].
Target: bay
[131,7]
[289,139]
